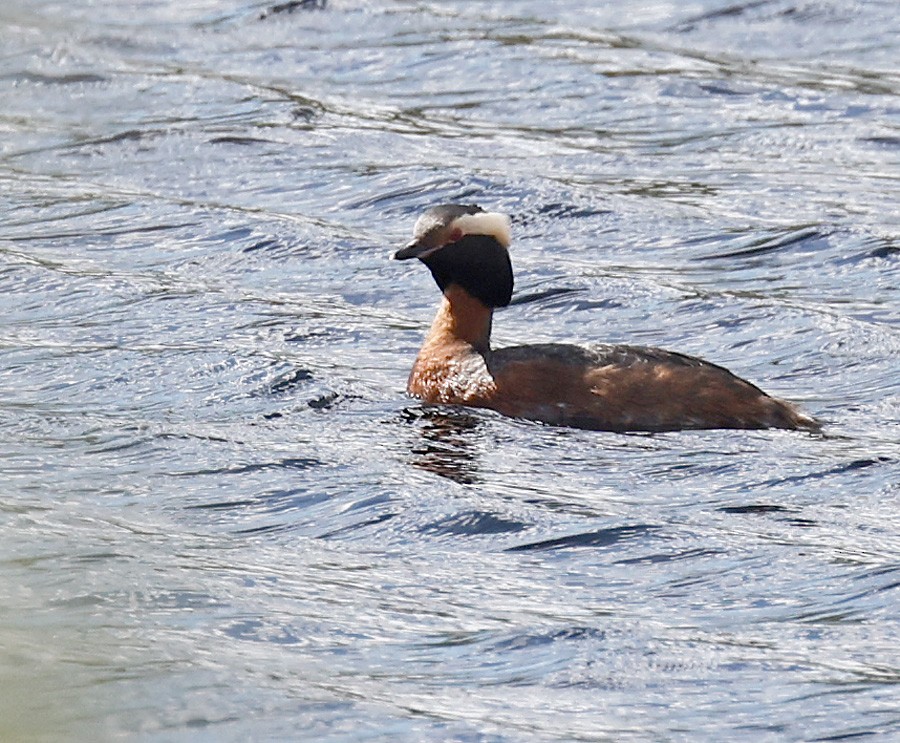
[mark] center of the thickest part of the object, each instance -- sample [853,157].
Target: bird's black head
[466,246]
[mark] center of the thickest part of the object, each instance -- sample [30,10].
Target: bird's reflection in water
[448,443]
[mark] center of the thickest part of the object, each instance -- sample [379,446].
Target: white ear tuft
[486,223]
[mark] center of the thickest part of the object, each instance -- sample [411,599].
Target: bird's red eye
[455,234]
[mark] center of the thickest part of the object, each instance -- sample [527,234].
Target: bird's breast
[455,374]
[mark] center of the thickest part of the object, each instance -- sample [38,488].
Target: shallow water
[221,517]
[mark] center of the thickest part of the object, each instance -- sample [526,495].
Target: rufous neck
[461,317]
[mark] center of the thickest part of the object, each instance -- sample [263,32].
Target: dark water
[221,519]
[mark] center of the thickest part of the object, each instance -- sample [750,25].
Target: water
[223,520]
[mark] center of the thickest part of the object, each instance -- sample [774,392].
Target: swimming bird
[602,387]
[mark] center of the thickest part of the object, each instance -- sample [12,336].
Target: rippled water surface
[222,519]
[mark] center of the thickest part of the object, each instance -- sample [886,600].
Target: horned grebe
[600,387]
